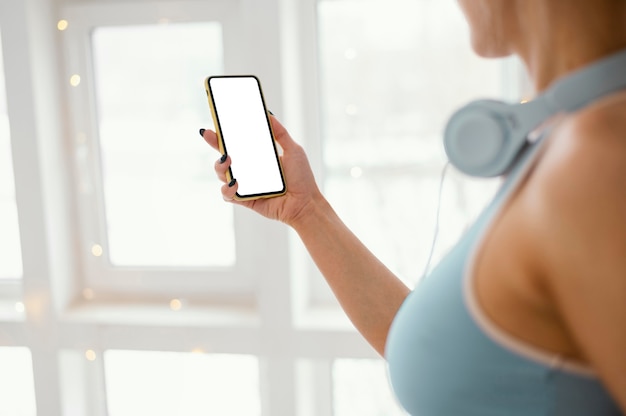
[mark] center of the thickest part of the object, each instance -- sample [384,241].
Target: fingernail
[223,158]
[202,132]
[232,183]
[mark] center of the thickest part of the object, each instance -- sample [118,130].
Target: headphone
[485,137]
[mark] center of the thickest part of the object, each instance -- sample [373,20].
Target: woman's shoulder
[600,127]
[588,147]
[575,199]
[577,189]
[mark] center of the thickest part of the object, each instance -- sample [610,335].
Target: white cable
[437,214]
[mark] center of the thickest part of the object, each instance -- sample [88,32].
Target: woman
[529,318]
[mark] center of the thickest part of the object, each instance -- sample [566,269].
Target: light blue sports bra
[445,358]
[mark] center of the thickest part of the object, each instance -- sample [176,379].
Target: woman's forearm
[369,292]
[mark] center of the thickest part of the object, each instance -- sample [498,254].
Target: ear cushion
[478,138]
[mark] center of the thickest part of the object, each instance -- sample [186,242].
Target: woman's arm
[368,292]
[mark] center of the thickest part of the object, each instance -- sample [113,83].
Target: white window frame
[10,289]
[252,251]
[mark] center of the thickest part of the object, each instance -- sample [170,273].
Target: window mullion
[32,102]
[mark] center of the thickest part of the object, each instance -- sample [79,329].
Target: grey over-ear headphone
[484,137]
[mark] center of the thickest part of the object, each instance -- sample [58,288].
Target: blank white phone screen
[246,134]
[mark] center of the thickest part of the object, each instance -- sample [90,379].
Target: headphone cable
[437,215]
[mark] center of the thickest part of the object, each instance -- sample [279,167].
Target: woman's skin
[552,270]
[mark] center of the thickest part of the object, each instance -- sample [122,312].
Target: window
[170,383]
[16,382]
[155,179]
[149,202]
[11,259]
[388,80]
[360,387]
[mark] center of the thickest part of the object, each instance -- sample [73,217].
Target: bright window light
[16,382]
[162,201]
[171,383]
[10,252]
[360,387]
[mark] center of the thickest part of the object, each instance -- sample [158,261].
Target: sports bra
[445,358]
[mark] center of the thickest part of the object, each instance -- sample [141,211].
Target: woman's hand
[302,190]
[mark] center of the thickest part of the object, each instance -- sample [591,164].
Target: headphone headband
[589,83]
[484,137]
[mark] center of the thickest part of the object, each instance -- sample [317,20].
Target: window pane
[360,387]
[170,384]
[16,382]
[392,71]
[162,203]
[10,252]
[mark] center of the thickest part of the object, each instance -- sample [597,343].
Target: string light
[75,80]
[97,250]
[176,304]
[62,24]
[90,355]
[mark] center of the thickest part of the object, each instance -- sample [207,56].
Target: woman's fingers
[229,190]
[210,137]
[221,167]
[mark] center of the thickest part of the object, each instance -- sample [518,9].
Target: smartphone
[244,132]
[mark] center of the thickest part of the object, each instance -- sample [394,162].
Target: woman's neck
[560,38]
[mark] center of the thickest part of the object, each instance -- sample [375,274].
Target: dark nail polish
[232,183]
[202,132]
[223,158]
